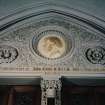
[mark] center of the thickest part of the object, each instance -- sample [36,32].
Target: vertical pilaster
[51,89]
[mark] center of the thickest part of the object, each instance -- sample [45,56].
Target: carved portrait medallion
[51,46]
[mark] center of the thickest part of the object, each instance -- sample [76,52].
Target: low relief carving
[96,55]
[7,54]
[76,55]
[55,22]
[89,37]
[47,85]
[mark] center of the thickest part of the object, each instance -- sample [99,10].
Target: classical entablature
[51,40]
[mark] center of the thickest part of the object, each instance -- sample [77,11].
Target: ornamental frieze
[53,43]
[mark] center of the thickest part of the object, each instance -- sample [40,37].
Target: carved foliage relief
[84,48]
[7,54]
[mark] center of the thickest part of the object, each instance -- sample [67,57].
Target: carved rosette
[96,55]
[7,54]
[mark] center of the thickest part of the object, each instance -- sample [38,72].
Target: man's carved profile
[51,46]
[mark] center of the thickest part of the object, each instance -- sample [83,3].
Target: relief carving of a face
[51,46]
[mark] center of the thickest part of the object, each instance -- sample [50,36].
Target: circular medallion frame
[55,31]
